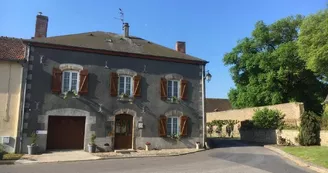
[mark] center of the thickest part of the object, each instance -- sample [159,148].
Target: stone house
[12,60]
[126,90]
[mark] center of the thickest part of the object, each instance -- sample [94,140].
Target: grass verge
[314,154]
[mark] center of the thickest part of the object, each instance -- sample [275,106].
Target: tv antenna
[121,18]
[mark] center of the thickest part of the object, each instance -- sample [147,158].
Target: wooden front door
[65,132]
[123,131]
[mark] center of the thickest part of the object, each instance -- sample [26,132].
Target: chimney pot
[41,26]
[180,46]
[126,29]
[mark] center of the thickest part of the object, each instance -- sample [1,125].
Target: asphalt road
[231,157]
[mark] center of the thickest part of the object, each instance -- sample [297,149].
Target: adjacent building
[12,60]
[124,89]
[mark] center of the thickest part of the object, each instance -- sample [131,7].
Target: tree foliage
[266,68]
[313,42]
[310,129]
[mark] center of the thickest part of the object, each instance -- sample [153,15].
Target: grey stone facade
[146,109]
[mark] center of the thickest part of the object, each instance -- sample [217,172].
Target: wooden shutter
[84,82]
[137,86]
[162,126]
[56,80]
[163,89]
[113,84]
[183,125]
[183,89]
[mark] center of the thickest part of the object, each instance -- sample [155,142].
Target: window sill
[66,96]
[173,101]
[125,99]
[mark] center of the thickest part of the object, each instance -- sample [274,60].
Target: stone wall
[271,136]
[293,111]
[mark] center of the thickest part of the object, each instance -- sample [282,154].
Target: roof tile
[12,49]
[114,42]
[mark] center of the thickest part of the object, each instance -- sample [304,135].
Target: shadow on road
[226,143]
[250,154]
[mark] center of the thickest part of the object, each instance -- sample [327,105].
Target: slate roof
[114,42]
[12,49]
[217,105]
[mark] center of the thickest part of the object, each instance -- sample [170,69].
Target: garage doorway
[123,131]
[65,132]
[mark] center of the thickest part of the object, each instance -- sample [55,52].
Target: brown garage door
[65,132]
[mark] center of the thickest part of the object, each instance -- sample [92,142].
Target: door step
[128,151]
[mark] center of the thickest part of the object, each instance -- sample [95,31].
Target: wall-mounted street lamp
[208,76]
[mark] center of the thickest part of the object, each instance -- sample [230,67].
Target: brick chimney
[126,29]
[41,26]
[180,46]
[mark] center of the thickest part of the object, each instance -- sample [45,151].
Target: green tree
[313,42]
[267,69]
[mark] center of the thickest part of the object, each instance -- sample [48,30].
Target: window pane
[175,88]
[128,86]
[175,126]
[74,81]
[66,81]
[169,89]
[121,85]
[169,126]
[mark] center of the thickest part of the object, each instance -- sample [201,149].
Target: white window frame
[178,125]
[131,85]
[70,80]
[172,87]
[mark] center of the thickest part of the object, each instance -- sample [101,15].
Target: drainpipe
[203,105]
[22,107]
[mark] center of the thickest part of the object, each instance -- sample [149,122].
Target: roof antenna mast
[121,18]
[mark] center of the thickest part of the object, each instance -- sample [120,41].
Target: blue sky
[210,28]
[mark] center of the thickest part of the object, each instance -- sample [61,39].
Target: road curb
[108,158]
[145,156]
[297,160]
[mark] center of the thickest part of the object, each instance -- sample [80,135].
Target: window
[125,85]
[173,88]
[172,126]
[70,81]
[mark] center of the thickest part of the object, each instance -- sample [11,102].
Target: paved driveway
[232,157]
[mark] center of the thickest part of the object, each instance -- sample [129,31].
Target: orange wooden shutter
[183,125]
[163,89]
[183,89]
[113,84]
[137,86]
[56,80]
[84,82]
[162,126]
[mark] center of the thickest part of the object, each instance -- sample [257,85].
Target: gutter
[22,105]
[203,105]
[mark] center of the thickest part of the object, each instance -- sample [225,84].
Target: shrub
[210,129]
[34,138]
[93,138]
[230,127]
[246,125]
[310,129]
[268,119]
